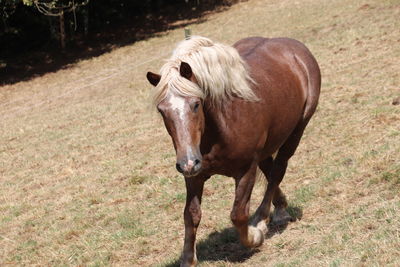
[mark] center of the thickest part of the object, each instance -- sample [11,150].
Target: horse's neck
[217,123]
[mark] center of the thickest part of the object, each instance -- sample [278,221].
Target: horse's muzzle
[189,167]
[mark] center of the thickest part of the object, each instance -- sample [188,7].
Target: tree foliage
[28,25]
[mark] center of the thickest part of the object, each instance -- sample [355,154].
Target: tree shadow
[19,63]
[225,246]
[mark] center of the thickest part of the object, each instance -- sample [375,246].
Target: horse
[232,110]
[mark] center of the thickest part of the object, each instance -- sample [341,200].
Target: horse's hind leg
[274,170]
[280,215]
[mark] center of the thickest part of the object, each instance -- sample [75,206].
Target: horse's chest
[229,160]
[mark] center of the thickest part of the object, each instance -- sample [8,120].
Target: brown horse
[230,110]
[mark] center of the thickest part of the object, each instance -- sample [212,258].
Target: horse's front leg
[192,216]
[250,236]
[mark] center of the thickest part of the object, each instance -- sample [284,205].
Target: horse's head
[184,119]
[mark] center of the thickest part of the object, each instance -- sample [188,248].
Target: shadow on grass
[225,246]
[221,246]
[295,212]
[45,56]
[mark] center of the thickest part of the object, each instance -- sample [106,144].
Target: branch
[49,9]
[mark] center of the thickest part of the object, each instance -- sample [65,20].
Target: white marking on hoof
[255,237]
[262,225]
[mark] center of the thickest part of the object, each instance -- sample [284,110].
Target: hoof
[188,263]
[255,237]
[262,225]
[188,259]
[281,217]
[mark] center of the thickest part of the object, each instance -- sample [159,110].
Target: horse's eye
[196,106]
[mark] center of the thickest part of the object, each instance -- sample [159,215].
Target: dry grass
[87,176]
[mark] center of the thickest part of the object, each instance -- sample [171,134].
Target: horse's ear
[185,70]
[153,78]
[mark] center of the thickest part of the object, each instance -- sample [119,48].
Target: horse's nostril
[197,161]
[178,167]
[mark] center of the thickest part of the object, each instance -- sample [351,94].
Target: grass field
[87,173]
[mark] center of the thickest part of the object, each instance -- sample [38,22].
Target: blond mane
[219,70]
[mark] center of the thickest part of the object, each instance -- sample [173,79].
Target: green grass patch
[302,195]
[392,176]
[136,179]
[131,227]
